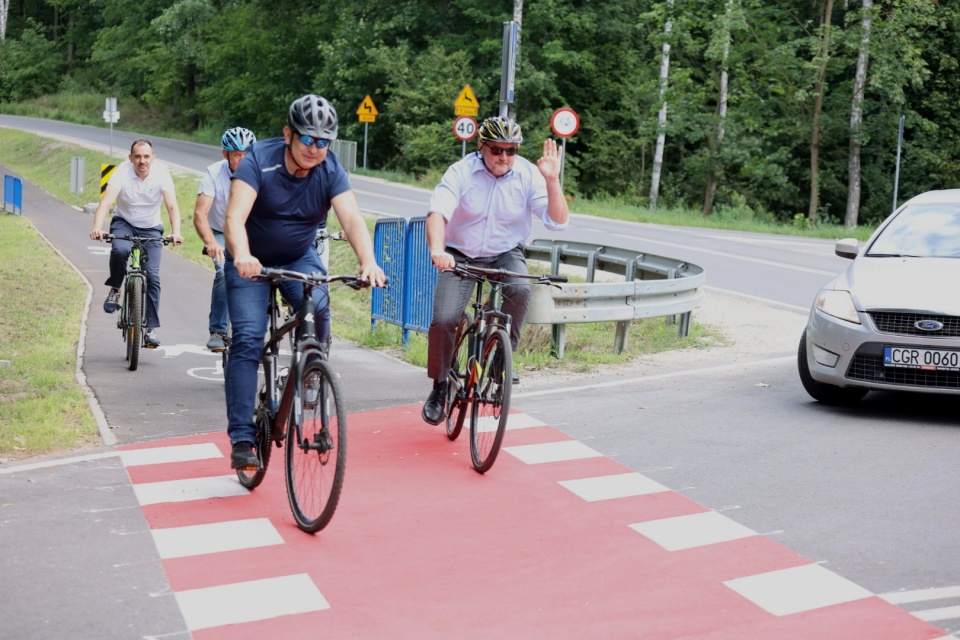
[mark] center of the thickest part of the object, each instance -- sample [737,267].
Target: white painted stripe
[181,453]
[617,486]
[189,489]
[59,462]
[695,530]
[934,615]
[249,601]
[919,595]
[797,589]
[552,452]
[723,368]
[523,421]
[195,540]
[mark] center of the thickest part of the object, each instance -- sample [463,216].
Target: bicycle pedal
[251,468]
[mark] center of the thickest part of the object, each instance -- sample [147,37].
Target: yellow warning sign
[106,170]
[367,111]
[466,103]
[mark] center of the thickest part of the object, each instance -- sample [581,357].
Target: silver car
[891,320]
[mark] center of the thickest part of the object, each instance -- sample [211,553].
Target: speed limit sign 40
[565,122]
[464,128]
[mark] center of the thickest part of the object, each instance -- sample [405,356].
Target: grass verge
[42,407]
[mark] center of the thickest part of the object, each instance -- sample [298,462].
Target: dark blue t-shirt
[284,219]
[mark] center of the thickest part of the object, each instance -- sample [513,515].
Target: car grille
[901,324]
[867,365]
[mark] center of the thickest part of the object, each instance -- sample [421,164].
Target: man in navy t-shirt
[279,195]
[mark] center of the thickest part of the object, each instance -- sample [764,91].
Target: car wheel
[822,392]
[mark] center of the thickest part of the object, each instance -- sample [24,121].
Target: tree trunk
[722,113]
[856,119]
[4,9]
[824,56]
[662,115]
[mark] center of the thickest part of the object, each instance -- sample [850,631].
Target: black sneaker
[434,410]
[112,303]
[243,457]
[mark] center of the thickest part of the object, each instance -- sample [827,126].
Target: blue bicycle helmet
[237,139]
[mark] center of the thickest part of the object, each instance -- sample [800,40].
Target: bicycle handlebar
[276,276]
[464,270]
[107,237]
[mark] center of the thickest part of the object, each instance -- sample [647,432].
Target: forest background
[784,111]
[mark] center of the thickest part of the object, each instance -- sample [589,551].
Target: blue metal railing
[13,195]
[401,249]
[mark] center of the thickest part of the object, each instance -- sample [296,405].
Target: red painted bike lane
[555,541]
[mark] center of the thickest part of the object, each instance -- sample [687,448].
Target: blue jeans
[248,301]
[149,262]
[218,297]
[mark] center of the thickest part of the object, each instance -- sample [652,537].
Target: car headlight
[838,304]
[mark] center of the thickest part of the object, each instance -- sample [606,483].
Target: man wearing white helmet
[208,218]
[279,196]
[481,214]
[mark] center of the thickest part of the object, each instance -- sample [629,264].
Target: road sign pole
[366,126]
[563,161]
[511,33]
[111,137]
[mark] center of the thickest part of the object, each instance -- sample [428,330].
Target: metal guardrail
[347,153]
[13,195]
[654,286]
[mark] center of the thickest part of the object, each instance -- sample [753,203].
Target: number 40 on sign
[464,128]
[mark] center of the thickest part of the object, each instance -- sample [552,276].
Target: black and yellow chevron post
[106,170]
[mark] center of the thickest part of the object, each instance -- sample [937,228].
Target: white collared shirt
[139,200]
[487,216]
[216,184]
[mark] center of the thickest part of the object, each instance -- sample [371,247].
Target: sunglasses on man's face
[499,151]
[308,141]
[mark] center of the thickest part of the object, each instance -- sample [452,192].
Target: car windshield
[921,230]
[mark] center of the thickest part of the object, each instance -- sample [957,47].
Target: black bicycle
[132,320]
[481,374]
[301,403]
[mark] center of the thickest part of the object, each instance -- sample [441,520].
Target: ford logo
[928,325]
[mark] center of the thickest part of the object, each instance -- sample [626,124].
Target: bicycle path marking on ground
[556,541]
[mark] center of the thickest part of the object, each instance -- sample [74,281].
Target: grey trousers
[451,295]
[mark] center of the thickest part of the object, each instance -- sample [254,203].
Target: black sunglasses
[499,151]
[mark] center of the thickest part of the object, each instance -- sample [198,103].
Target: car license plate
[913,358]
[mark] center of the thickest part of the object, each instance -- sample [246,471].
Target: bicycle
[481,373]
[301,404]
[132,320]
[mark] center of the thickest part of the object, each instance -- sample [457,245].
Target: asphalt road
[868,492]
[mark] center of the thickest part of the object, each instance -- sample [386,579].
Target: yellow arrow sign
[466,103]
[367,110]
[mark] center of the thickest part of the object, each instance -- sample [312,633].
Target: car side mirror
[847,248]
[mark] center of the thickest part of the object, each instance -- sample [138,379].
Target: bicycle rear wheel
[491,400]
[317,448]
[133,331]
[457,380]
[251,478]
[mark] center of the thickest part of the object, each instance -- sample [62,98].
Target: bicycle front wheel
[491,400]
[316,447]
[133,331]
[458,378]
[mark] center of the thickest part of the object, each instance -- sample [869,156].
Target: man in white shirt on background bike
[138,186]
[482,213]
[208,220]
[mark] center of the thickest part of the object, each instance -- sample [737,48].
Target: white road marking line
[552,452]
[621,485]
[797,589]
[663,376]
[59,462]
[523,421]
[179,453]
[199,539]
[695,530]
[934,615]
[189,489]
[920,595]
[249,601]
